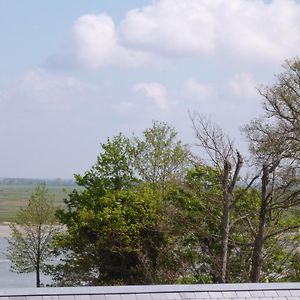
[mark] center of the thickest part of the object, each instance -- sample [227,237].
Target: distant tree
[29,246]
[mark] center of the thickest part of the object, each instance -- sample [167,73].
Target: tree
[274,143]
[201,210]
[228,163]
[202,214]
[115,227]
[118,227]
[113,240]
[29,246]
[114,166]
[160,157]
[282,104]
[279,193]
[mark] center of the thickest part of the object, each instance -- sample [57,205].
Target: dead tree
[222,156]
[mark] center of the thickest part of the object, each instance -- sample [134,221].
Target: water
[9,279]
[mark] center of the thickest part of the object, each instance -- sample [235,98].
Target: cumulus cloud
[260,31]
[268,32]
[155,92]
[243,85]
[175,27]
[196,91]
[98,45]
[239,31]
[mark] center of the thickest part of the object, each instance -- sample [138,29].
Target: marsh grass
[13,197]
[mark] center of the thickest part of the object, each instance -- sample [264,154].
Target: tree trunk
[225,222]
[225,237]
[38,256]
[228,187]
[37,271]
[257,255]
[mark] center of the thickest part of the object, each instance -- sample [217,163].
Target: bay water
[9,279]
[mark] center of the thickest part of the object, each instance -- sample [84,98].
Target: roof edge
[142,289]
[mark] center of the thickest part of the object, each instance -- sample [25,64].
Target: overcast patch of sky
[135,66]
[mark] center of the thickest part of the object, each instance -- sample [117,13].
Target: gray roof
[260,291]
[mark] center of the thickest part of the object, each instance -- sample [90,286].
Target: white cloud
[259,31]
[154,91]
[243,85]
[176,27]
[97,44]
[240,29]
[196,91]
[234,31]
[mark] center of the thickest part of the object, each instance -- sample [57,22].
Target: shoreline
[5,230]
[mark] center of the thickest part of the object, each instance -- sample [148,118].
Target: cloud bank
[239,30]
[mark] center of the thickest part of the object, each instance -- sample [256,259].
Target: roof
[259,291]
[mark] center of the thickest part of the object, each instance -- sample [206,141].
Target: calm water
[10,279]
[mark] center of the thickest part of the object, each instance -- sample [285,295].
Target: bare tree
[222,156]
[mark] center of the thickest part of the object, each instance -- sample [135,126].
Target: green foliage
[29,247]
[113,169]
[118,228]
[160,157]
[282,262]
[106,241]
[294,268]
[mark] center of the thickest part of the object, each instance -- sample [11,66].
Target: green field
[13,197]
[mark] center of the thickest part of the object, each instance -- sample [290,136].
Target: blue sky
[75,72]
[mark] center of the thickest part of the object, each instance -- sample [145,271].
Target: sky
[75,72]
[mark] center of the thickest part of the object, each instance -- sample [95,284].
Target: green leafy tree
[117,228]
[29,246]
[160,157]
[114,167]
[111,241]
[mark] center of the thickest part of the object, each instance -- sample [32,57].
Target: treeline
[151,212]
[35,181]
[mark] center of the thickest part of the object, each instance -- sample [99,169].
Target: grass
[13,197]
